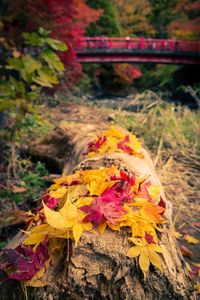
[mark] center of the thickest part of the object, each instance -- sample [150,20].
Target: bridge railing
[138,44]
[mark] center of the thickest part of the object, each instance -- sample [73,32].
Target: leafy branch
[24,75]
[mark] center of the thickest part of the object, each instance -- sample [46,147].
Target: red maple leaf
[23,262]
[51,202]
[109,205]
[143,190]
[149,238]
[124,176]
[162,204]
[95,145]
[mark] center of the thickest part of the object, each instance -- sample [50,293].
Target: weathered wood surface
[64,146]
[98,268]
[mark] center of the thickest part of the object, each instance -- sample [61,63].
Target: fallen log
[98,268]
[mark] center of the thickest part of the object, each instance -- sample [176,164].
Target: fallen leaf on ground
[185,251]
[197,288]
[190,239]
[18,189]
[177,234]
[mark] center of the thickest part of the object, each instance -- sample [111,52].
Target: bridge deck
[99,50]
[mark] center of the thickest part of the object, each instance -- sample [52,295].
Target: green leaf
[33,95]
[15,63]
[56,45]
[16,86]
[43,32]
[33,39]
[30,64]
[52,60]
[46,77]
[4,105]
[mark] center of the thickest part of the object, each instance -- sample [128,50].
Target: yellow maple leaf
[154,191]
[134,251]
[136,145]
[197,288]
[150,211]
[177,234]
[56,219]
[115,132]
[102,227]
[147,254]
[84,201]
[37,234]
[68,217]
[77,232]
[144,261]
[139,225]
[68,179]
[58,193]
[114,227]
[190,239]
[88,175]
[97,187]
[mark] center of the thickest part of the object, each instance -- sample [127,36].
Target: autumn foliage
[186,23]
[127,72]
[67,20]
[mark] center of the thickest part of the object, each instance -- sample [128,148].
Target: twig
[194,227]
[159,150]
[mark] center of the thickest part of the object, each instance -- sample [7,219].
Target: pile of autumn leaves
[95,201]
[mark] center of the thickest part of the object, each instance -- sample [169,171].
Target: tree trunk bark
[98,267]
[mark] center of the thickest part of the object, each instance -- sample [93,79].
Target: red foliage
[149,238]
[162,203]
[187,6]
[95,145]
[70,20]
[143,190]
[24,261]
[67,19]
[50,202]
[127,72]
[108,206]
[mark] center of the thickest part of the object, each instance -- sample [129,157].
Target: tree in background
[134,20]
[68,21]
[186,23]
[108,23]
[127,72]
[161,19]
[133,17]
[161,15]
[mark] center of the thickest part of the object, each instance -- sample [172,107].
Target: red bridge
[137,50]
